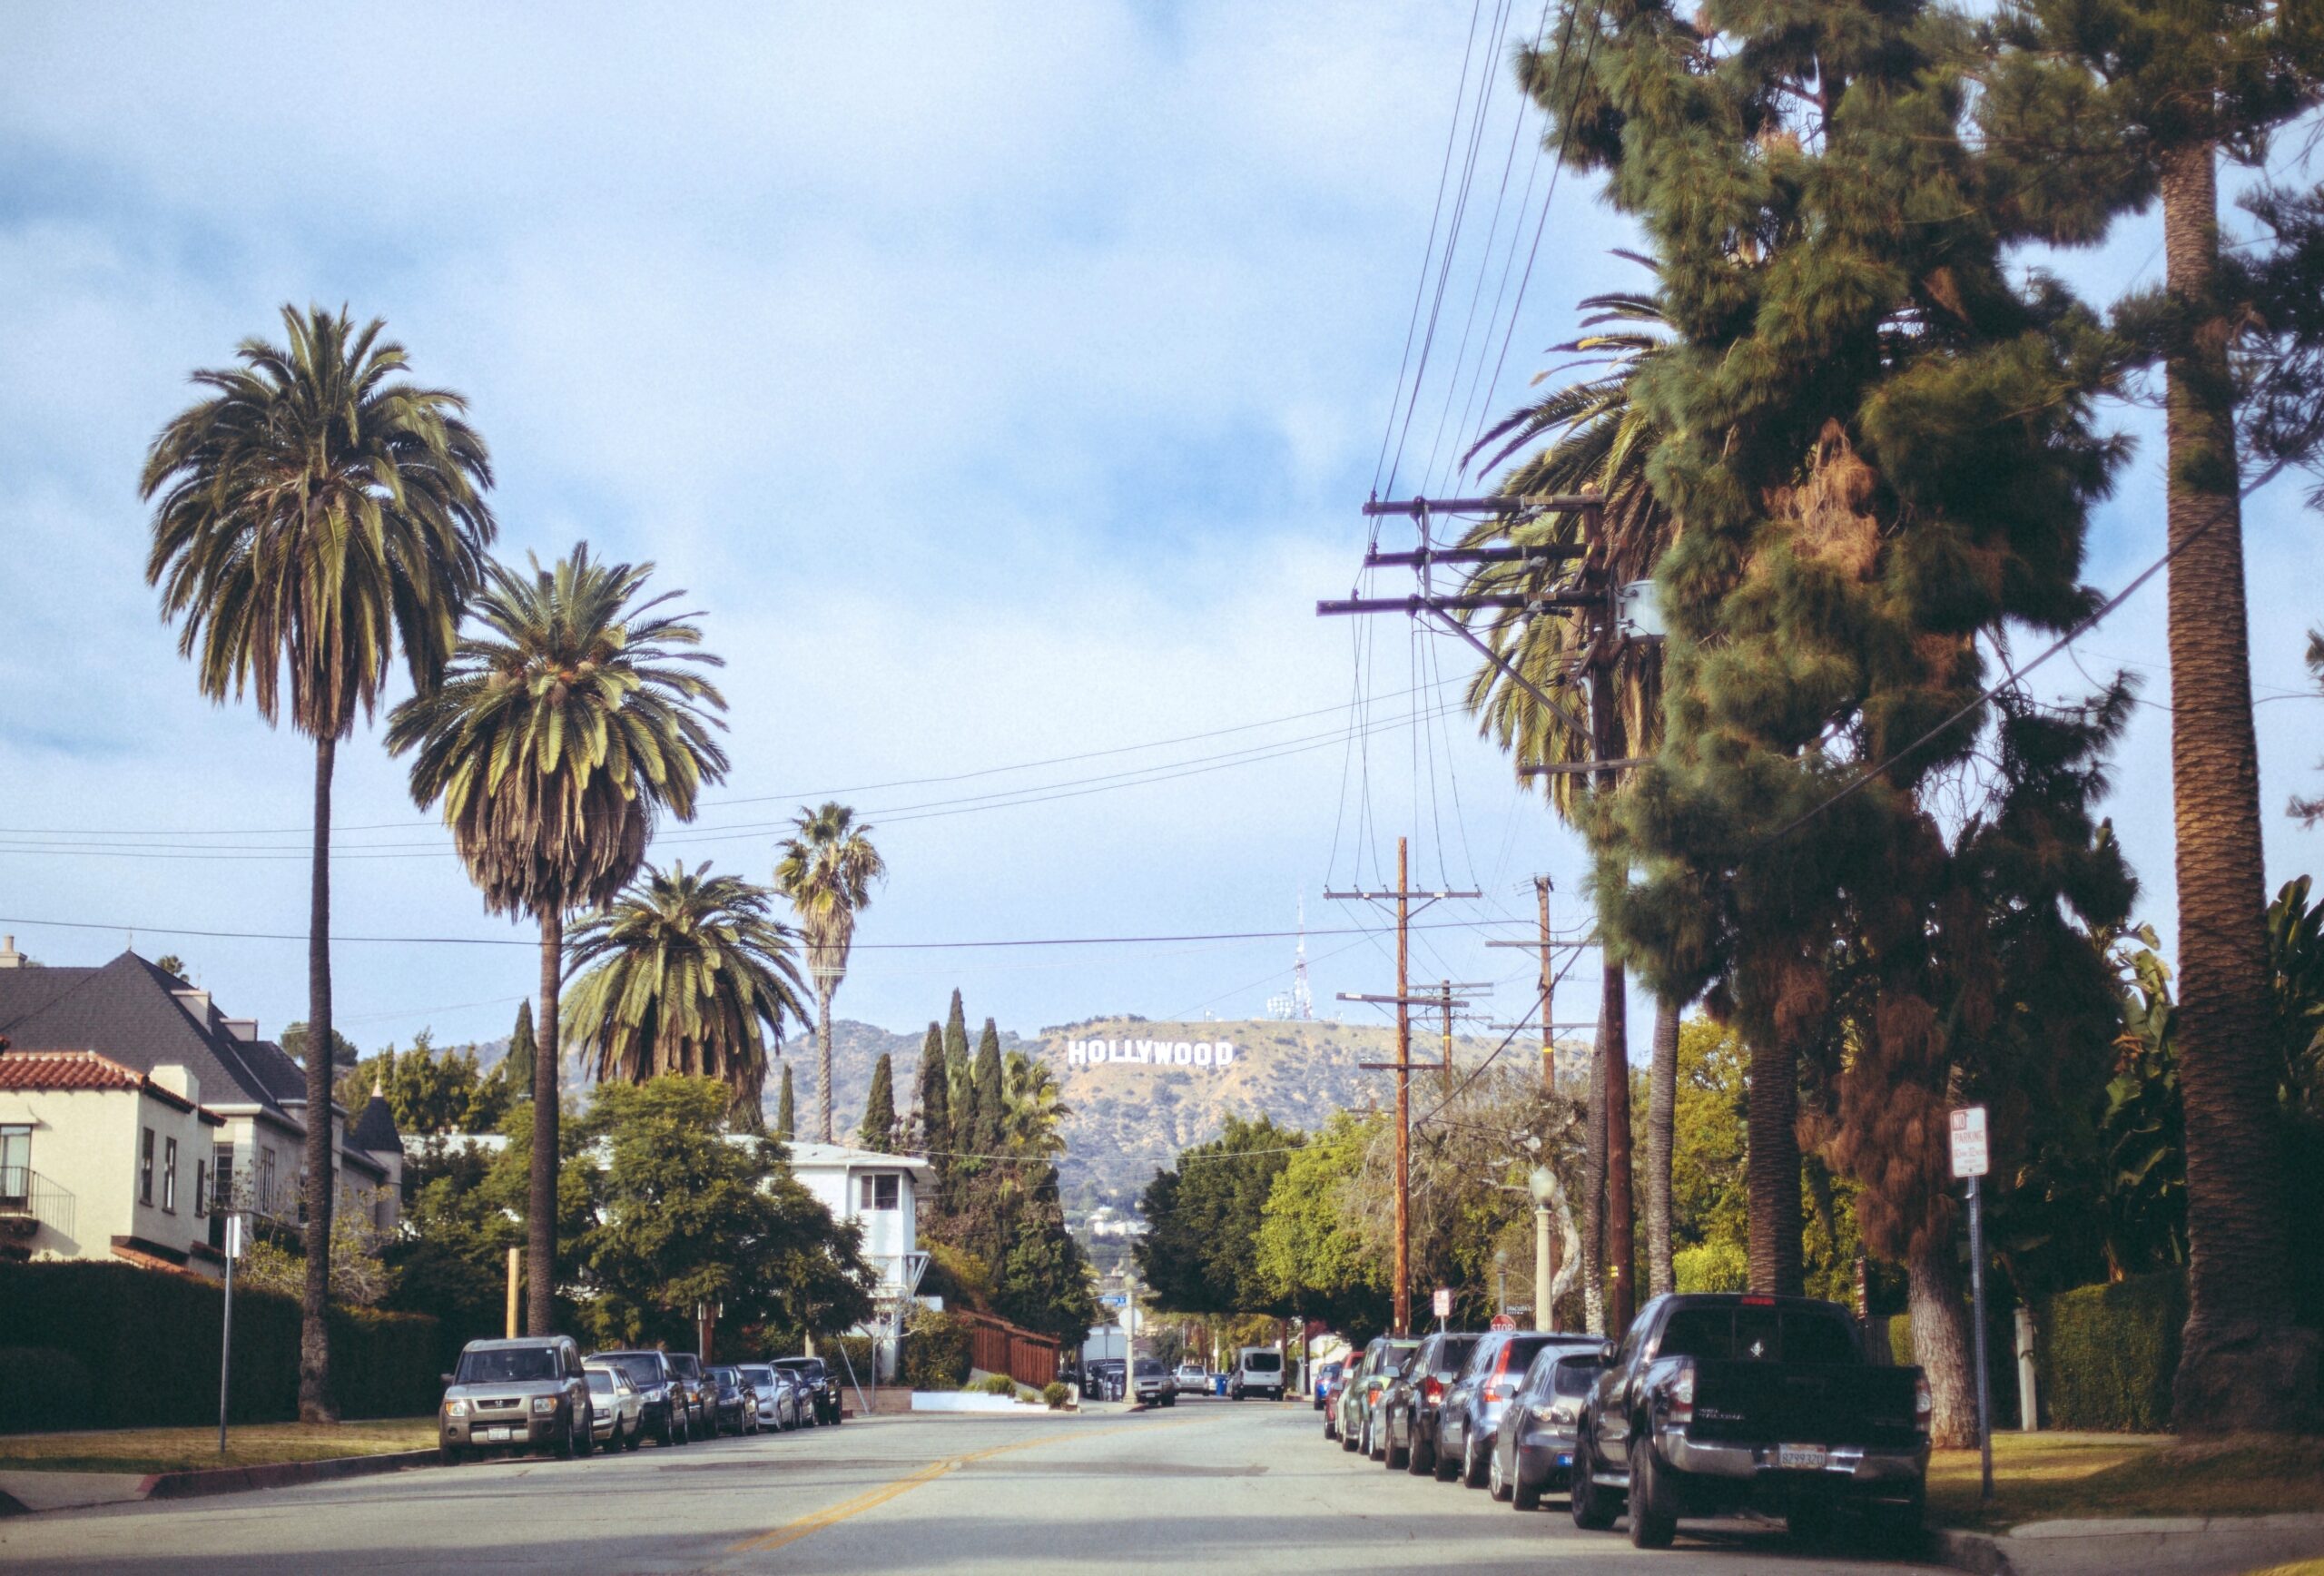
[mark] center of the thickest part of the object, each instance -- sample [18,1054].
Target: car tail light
[1923,1403]
[1759,1302]
[1682,1394]
[1432,1390]
[1498,1387]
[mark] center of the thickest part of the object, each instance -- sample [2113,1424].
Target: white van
[1258,1371]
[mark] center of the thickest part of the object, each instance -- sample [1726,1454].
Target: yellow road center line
[815,1522]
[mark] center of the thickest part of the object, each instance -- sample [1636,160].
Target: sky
[1001,385]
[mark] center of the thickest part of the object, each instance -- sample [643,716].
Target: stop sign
[1503,1322]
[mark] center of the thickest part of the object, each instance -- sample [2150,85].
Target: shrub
[1713,1267]
[994,1384]
[125,1326]
[41,1387]
[2108,1353]
[936,1352]
[849,1357]
[1056,1394]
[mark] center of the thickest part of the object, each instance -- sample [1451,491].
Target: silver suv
[516,1395]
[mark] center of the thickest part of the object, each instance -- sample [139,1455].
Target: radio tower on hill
[1303,1000]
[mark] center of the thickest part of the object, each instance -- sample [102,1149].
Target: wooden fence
[998,1347]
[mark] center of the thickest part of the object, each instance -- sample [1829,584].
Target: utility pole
[1404,1000]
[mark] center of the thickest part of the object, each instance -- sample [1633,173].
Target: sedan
[1327,1381]
[618,1406]
[778,1402]
[1407,1437]
[734,1405]
[1473,1407]
[1532,1452]
[820,1383]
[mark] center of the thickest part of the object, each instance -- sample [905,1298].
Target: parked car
[1258,1371]
[518,1395]
[1722,1401]
[616,1405]
[661,1392]
[1150,1383]
[1382,1358]
[1191,1379]
[1103,1379]
[777,1397]
[1327,1379]
[1483,1389]
[821,1384]
[1532,1449]
[734,1405]
[701,1412]
[1412,1398]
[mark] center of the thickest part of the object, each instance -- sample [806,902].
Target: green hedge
[2108,1353]
[148,1345]
[936,1352]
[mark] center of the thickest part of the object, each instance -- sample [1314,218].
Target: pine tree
[935,1104]
[786,1109]
[517,1066]
[2097,108]
[992,1099]
[879,1129]
[1880,444]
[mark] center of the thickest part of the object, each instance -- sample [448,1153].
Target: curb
[235,1480]
[1975,1553]
[9,1505]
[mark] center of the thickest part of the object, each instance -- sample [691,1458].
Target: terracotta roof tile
[65,1069]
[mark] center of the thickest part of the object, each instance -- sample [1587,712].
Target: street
[1208,1485]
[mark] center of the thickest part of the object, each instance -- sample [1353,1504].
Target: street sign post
[1443,1303]
[1972,1158]
[226,1331]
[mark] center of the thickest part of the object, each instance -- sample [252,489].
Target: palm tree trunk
[1941,1341]
[314,1304]
[1661,1116]
[540,1215]
[2244,1365]
[825,987]
[1771,1166]
[1621,1218]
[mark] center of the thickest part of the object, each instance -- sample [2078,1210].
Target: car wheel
[1473,1464]
[635,1436]
[1811,1521]
[450,1455]
[1347,1439]
[1898,1529]
[1654,1520]
[1497,1483]
[1523,1495]
[1397,1457]
[1593,1508]
[1363,1444]
[568,1446]
[1330,1425]
[1425,1454]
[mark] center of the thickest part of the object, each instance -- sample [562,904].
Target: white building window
[145,1169]
[170,1176]
[877,1190]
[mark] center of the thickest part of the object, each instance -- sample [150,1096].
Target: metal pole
[1404,1291]
[1545,1267]
[516,1267]
[2029,1399]
[1977,1300]
[226,1336]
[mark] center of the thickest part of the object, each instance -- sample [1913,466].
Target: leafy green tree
[827,869]
[427,1090]
[522,1047]
[1204,1215]
[559,738]
[1045,1280]
[786,1112]
[314,515]
[2096,108]
[684,972]
[171,963]
[689,1215]
[1308,1249]
[879,1129]
[293,1042]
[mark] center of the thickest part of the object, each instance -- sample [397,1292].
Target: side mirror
[1607,1352]
[446,1378]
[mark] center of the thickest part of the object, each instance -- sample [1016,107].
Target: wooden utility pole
[1548,994]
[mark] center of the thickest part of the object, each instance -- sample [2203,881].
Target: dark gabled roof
[125,1009]
[375,1129]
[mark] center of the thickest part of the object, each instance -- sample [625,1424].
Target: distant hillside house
[132,1111]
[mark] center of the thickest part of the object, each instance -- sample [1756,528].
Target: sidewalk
[35,1492]
[22,1493]
[2180,1545]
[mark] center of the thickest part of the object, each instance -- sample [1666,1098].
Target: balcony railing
[29,1200]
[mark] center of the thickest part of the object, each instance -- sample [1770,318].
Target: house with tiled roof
[88,1054]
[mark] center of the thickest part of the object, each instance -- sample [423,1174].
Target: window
[145,1169]
[201,1189]
[16,1163]
[221,1175]
[265,1199]
[877,1190]
[170,1175]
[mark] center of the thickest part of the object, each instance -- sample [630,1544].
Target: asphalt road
[1207,1486]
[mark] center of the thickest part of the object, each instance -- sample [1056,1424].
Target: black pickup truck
[1725,1401]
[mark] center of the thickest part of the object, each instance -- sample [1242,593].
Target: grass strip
[156,1450]
[2043,1477]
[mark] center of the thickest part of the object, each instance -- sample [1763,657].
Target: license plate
[496,1436]
[1565,1458]
[1802,1457]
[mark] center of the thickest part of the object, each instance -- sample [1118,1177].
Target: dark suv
[701,1395]
[822,1387]
[516,1395]
[1407,1436]
[667,1413]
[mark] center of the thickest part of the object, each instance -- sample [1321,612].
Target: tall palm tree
[313,515]
[687,973]
[1596,440]
[1036,1108]
[561,733]
[827,869]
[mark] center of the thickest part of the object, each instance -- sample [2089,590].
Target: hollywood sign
[1149,1052]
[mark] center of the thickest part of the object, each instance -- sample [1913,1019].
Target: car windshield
[506,1365]
[1451,1353]
[759,1377]
[811,1367]
[1573,1375]
[600,1382]
[1522,1351]
[1757,1332]
[1263,1362]
[642,1370]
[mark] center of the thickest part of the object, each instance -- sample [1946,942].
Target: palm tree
[559,736]
[1598,441]
[316,513]
[827,869]
[1036,1108]
[691,975]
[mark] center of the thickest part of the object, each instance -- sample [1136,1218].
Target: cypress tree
[878,1129]
[786,1110]
[935,1090]
[960,1069]
[517,1066]
[992,1099]
[1879,446]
